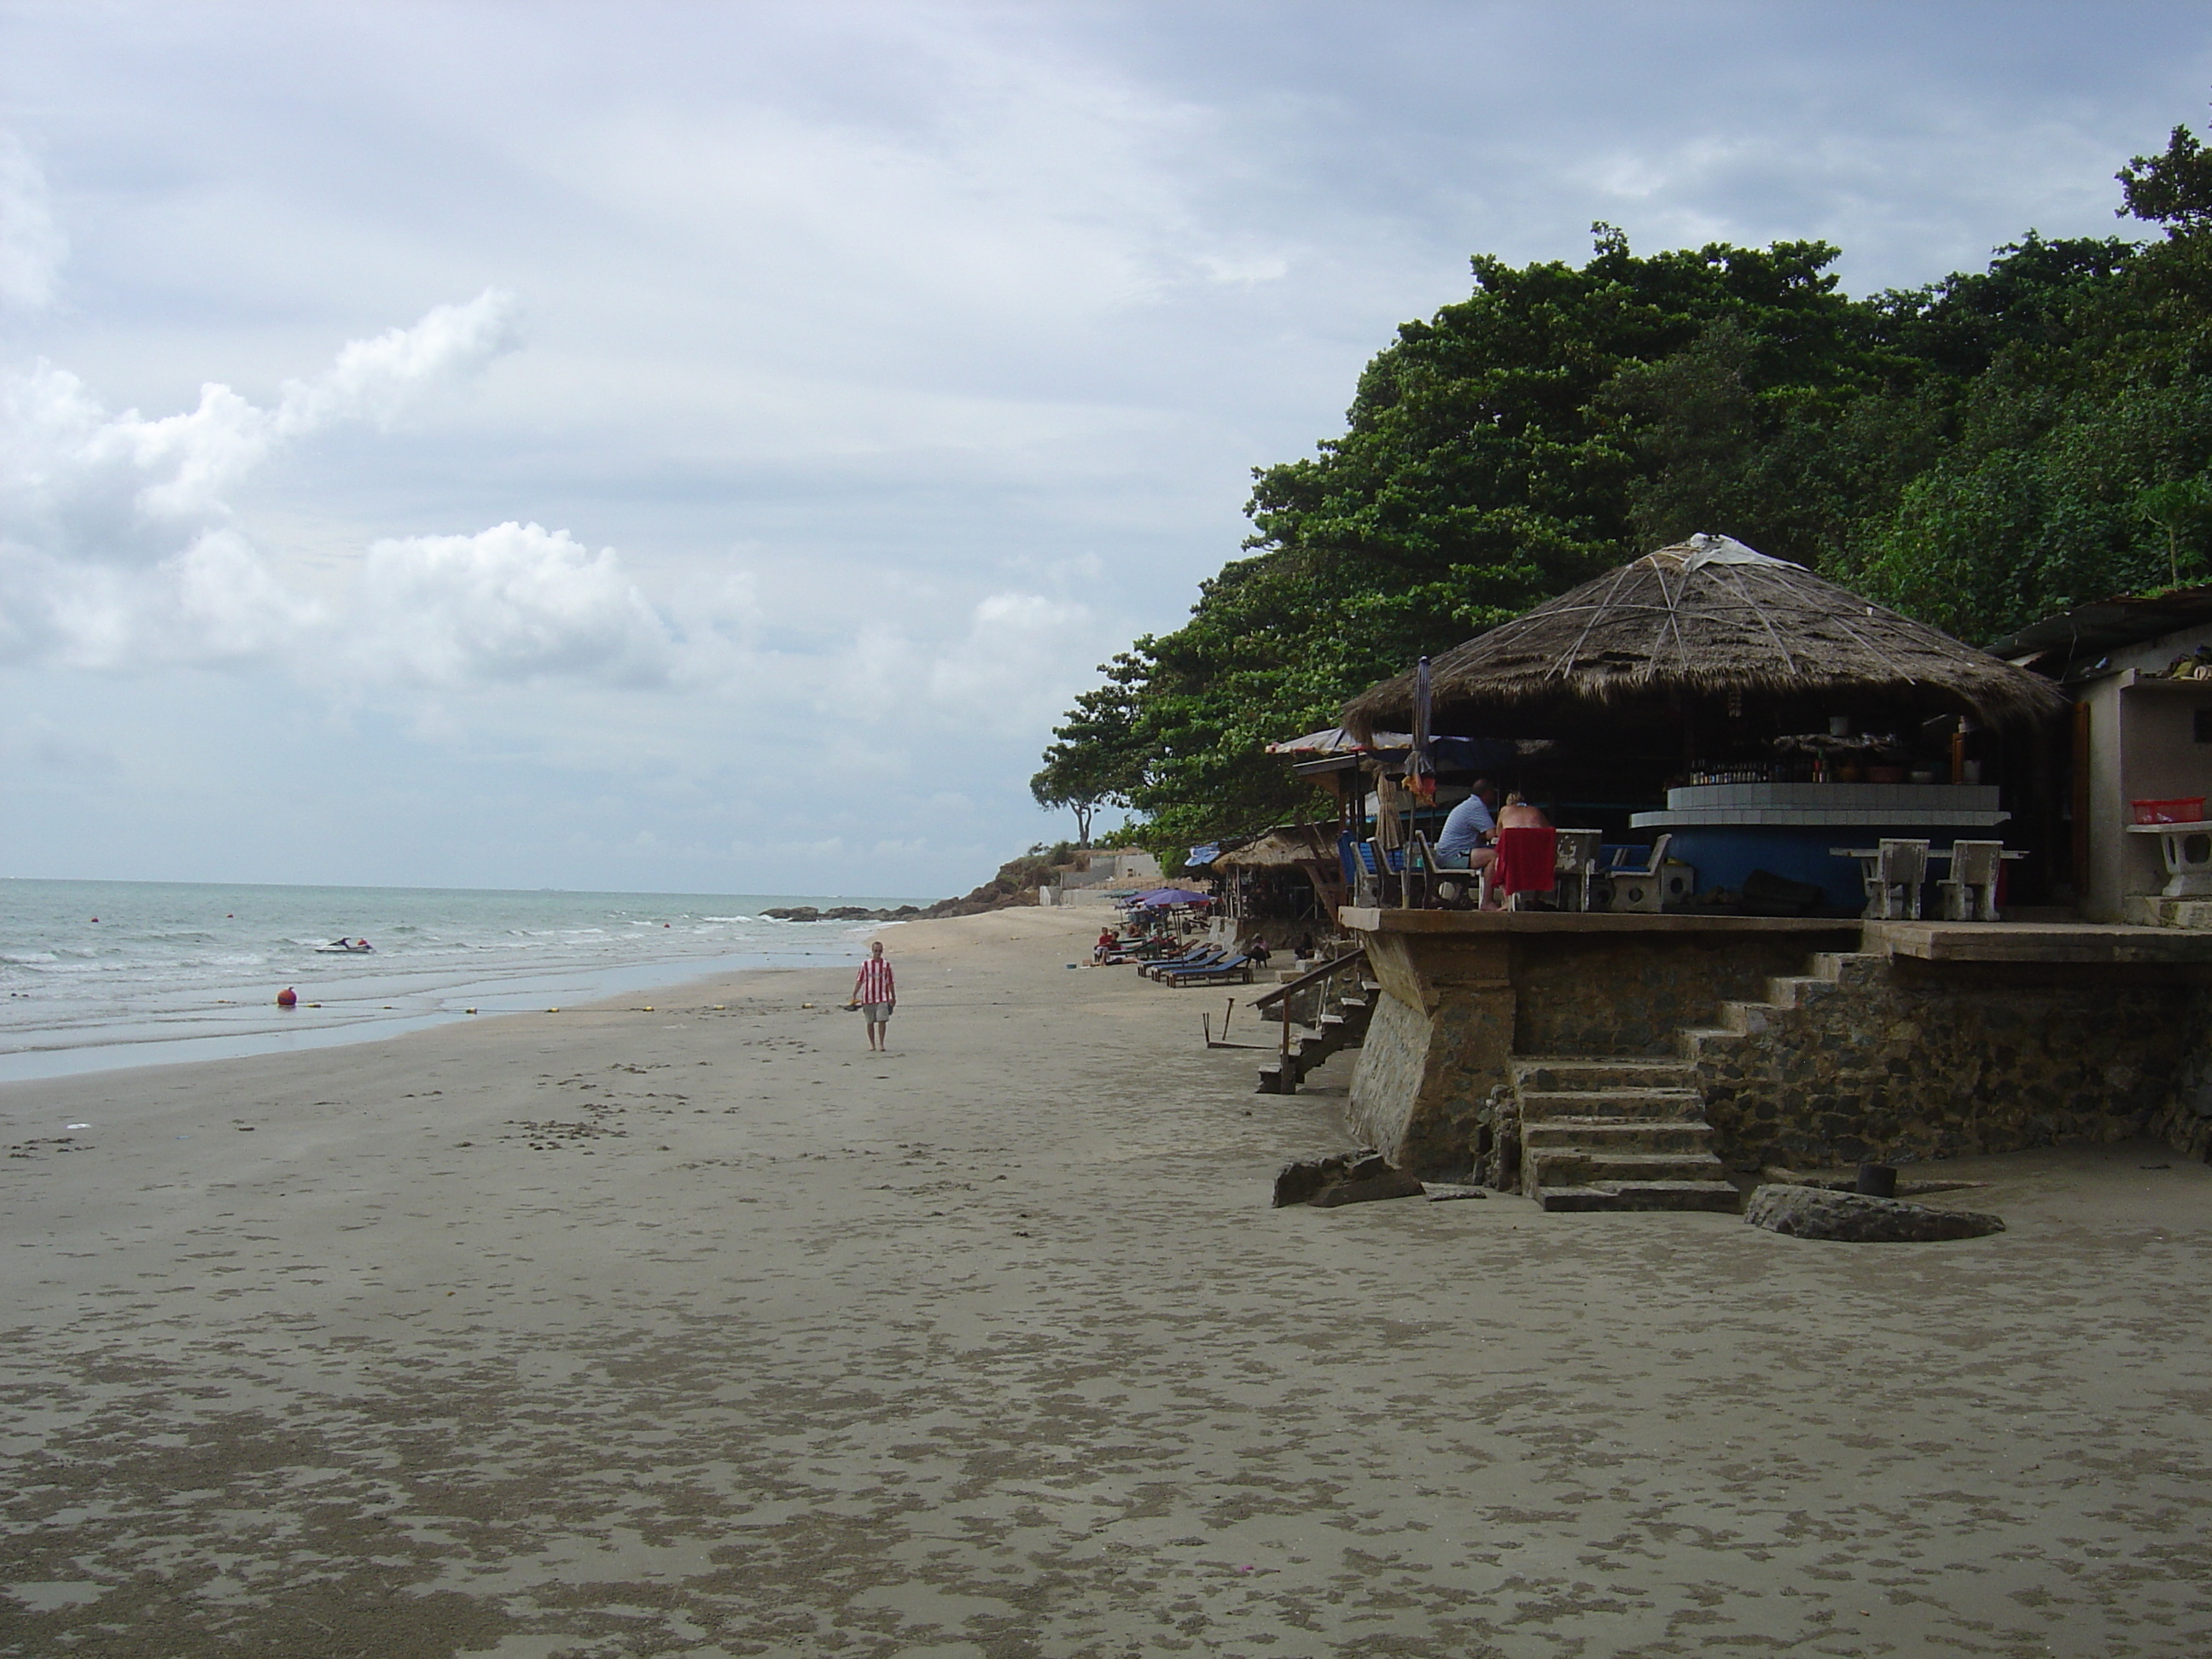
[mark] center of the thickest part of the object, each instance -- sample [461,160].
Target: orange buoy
[288,998]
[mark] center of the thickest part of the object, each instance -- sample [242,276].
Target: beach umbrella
[1420,767]
[1162,896]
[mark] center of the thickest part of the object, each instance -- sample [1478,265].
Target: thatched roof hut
[1286,847]
[1707,618]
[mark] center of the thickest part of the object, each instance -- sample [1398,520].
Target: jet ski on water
[345,947]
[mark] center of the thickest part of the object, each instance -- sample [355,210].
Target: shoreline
[166,971]
[492,996]
[702,1331]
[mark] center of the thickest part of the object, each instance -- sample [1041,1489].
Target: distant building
[1111,875]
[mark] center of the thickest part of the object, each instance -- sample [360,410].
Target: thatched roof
[1708,616]
[1286,847]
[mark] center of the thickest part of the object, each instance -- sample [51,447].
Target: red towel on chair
[1528,860]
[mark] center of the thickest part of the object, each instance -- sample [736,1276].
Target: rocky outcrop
[1857,1219]
[1016,884]
[843,913]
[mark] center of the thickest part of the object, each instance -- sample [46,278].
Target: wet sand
[703,1332]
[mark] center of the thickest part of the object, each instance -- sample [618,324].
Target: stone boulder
[1856,1218]
[1343,1178]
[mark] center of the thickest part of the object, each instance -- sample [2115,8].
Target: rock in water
[1857,1219]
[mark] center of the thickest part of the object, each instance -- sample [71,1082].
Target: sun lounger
[1194,956]
[1201,959]
[1239,966]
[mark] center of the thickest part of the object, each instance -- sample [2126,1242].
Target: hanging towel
[1528,859]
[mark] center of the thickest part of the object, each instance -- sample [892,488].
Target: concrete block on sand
[1857,1219]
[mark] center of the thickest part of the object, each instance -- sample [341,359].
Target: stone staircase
[1622,1132]
[1610,1133]
[1344,1027]
[1738,1020]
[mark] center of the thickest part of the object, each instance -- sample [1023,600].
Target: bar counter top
[1827,805]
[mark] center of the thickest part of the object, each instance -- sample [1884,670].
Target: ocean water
[106,974]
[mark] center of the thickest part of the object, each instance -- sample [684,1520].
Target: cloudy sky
[702,447]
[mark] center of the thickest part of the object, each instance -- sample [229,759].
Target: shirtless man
[1518,814]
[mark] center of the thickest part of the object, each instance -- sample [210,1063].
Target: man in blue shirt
[1459,846]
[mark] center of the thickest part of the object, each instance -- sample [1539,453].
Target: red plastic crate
[2185,809]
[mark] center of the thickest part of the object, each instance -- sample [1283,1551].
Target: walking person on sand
[875,995]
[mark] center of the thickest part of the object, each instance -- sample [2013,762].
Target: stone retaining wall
[1896,1060]
[1615,993]
[1884,1058]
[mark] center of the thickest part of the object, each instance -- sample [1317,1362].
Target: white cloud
[31,245]
[1009,672]
[117,545]
[516,602]
[376,380]
[916,675]
[77,482]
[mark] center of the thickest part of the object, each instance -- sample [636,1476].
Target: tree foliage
[1978,452]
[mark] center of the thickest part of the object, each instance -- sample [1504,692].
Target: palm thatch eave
[1706,617]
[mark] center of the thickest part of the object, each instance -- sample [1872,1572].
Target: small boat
[345,947]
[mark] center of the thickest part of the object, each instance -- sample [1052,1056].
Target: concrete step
[1747,1018]
[1796,990]
[1846,967]
[1613,1135]
[1542,1073]
[1717,1197]
[1664,1105]
[1581,1166]
[1699,1043]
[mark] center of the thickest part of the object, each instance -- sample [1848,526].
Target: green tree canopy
[1978,452]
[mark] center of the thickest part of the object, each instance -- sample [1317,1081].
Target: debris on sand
[1439,1192]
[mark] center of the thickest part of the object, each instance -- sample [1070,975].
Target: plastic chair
[1893,879]
[1624,859]
[1575,867]
[1367,884]
[1970,892]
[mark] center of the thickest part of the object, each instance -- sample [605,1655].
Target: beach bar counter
[1725,831]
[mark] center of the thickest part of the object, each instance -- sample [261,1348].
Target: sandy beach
[694,1329]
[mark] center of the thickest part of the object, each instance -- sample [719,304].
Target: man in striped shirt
[875,993]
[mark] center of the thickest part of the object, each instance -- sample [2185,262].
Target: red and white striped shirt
[874,983]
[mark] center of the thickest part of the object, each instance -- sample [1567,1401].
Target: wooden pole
[2080,797]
